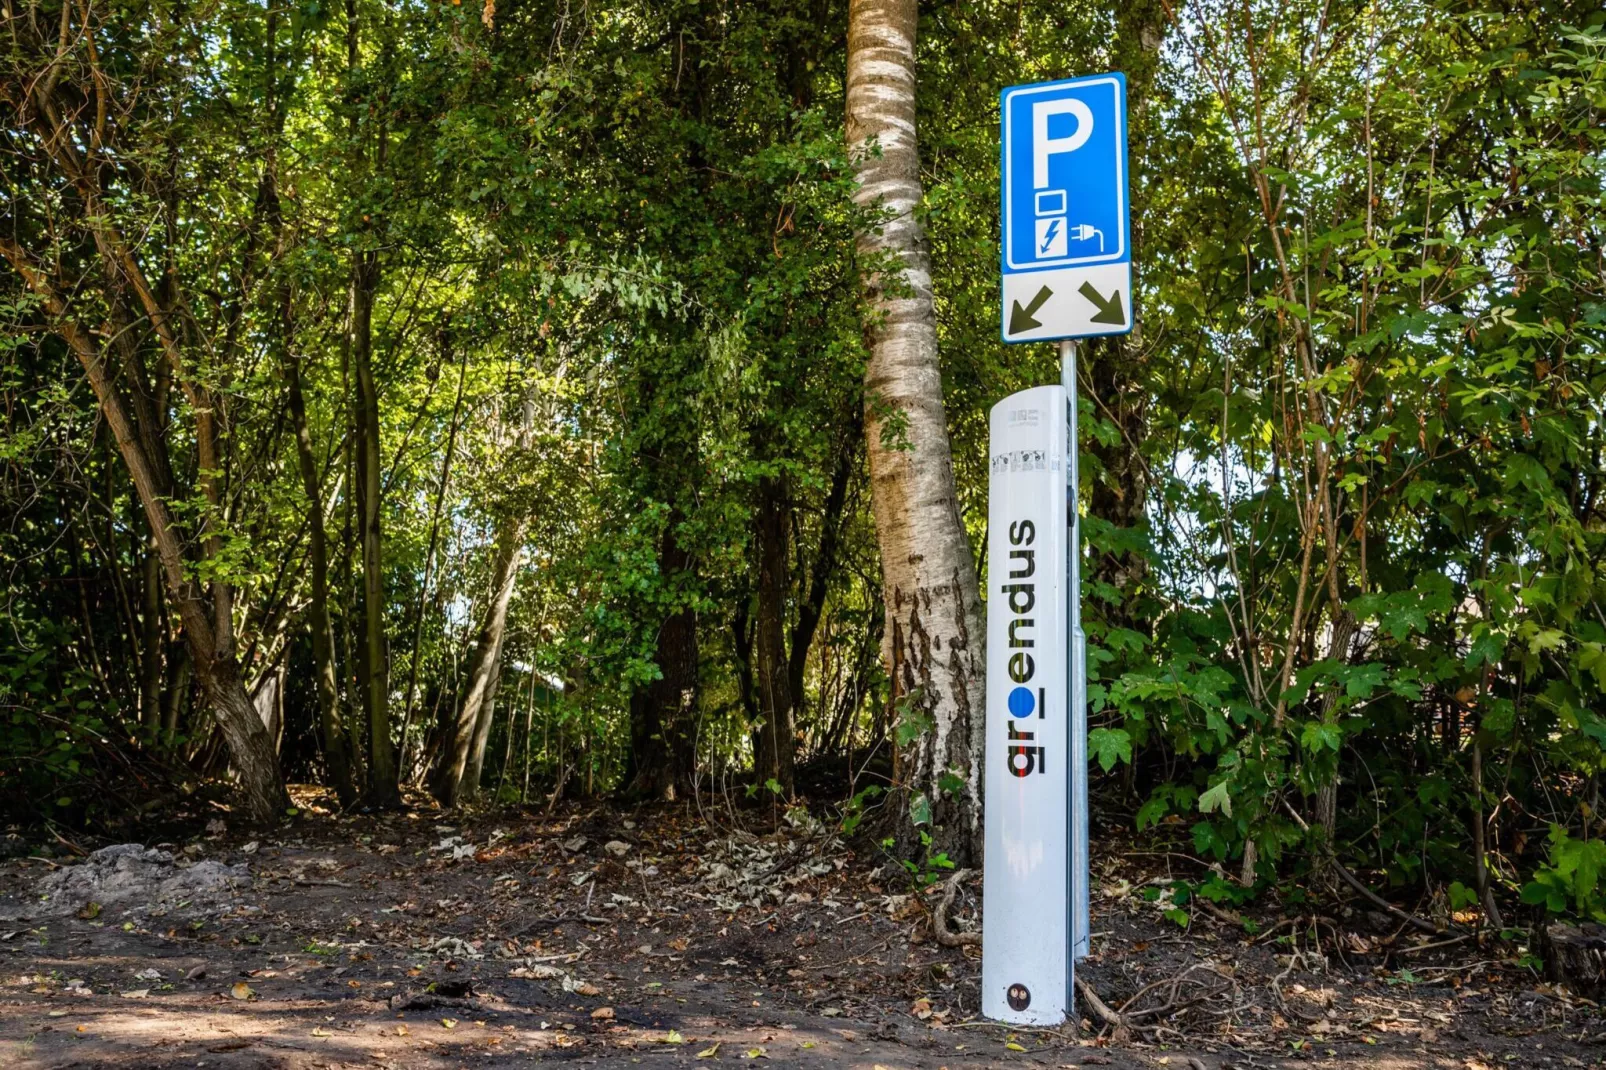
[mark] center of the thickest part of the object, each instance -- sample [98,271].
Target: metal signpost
[1067,274]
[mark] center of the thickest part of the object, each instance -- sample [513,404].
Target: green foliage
[1342,492]
[1569,881]
[928,867]
[858,807]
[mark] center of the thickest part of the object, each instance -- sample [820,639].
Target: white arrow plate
[1068,309]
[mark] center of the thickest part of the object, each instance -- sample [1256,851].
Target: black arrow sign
[1108,311]
[1020,319]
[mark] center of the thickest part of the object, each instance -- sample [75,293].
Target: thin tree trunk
[933,645]
[153,642]
[457,779]
[473,779]
[1343,632]
[774,748]
[1114,372]
[429,556]
[663,713]
[336,744]
[1480,852]
[374,664]
[812,607]
[177,693]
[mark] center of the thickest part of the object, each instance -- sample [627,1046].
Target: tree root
[939,919]
[1120,1031]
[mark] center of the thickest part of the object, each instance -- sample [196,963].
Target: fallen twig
[1463,938]
[1231,917]
[1172,1004]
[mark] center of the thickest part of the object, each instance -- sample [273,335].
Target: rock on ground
[133,876]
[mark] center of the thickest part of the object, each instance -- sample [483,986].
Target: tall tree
[934,639]
[127,309]
[369,144]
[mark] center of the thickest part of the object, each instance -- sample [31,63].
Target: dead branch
[1172,1003]
[1231,917]
[1463,938]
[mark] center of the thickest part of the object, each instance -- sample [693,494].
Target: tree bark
[1343,633]
[457,779]
[373,655]
[933,645]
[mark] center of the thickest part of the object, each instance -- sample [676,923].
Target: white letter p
[1044,146]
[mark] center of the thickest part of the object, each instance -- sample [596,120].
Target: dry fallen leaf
[583,988]
[241,990]
[401,1030]
[602,1014]
[136,993]
[921,1009]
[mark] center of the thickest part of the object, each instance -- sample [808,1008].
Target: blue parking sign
[1066,257]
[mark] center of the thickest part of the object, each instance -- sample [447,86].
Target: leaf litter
[584,933]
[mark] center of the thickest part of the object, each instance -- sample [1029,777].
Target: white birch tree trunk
[934,644]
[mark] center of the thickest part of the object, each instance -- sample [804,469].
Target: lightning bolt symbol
[1048,238]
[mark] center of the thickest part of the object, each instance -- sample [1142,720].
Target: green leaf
[1319,734]
[920,810]
[1217,798]
[1110,745]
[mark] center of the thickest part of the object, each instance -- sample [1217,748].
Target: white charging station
[1026,926]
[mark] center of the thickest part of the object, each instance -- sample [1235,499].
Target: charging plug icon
[1084,231]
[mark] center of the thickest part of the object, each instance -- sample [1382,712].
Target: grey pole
[1077,671]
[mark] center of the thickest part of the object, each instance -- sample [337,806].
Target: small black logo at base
[1019,996]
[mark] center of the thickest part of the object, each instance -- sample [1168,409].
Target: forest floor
[617,938]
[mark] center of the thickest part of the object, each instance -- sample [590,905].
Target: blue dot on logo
[1021,702]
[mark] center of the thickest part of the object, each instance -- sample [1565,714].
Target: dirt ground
[616,939]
